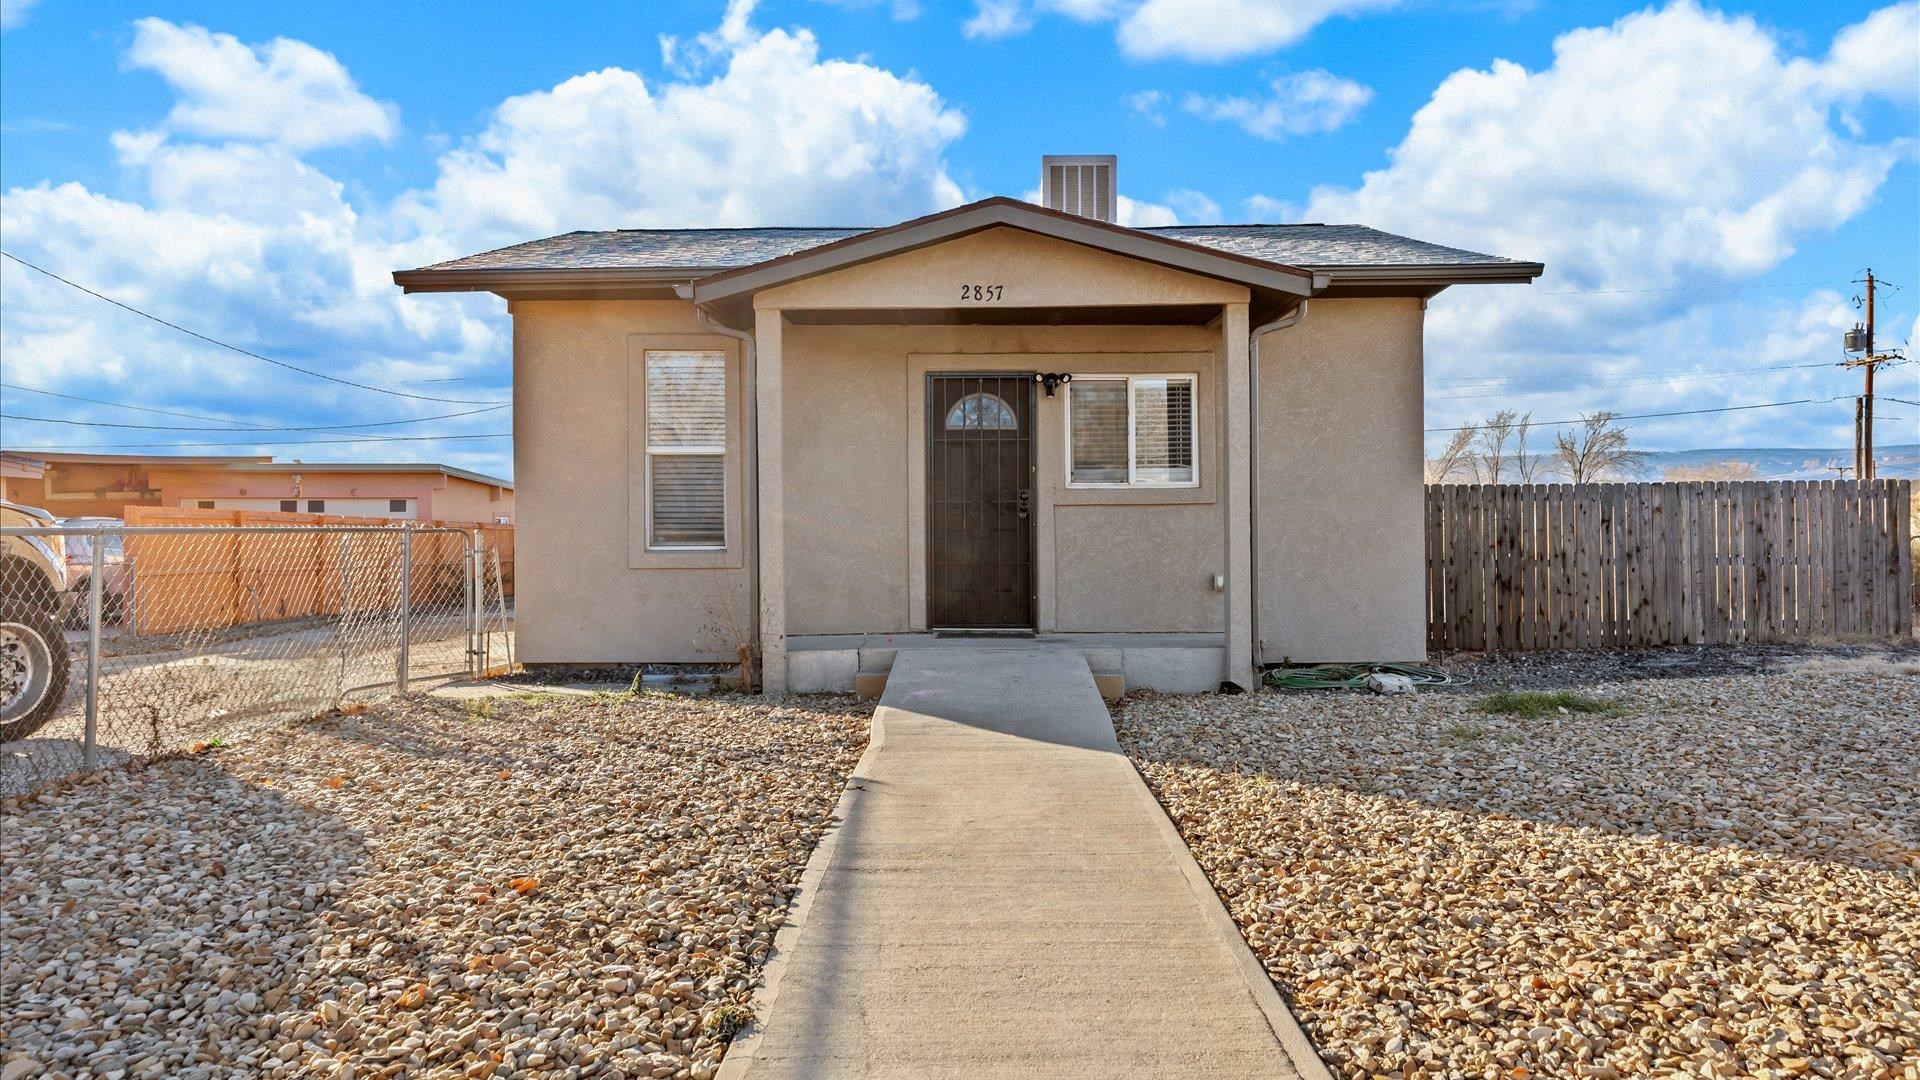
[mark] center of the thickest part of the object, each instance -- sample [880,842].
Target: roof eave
[1504,273]
[399,467]
[547,280]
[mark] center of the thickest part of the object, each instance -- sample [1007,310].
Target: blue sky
[1704,182]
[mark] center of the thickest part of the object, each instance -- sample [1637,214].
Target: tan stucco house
[1192,449]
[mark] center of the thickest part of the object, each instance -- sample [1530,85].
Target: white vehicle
[33,648]
[113,569]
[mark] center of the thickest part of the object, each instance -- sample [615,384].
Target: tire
[33,668]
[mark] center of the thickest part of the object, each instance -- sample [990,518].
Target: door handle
[1025,501]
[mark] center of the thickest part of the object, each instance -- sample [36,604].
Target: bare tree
[1492,459]
[1596,449]
[1713,470]
[1526,465]
[1456,457]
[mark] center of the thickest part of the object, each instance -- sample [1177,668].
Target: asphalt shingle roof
[1310,247]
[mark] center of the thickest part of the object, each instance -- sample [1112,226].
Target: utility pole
[1860,340]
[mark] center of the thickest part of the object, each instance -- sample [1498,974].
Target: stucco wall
[578,598]
[464,500]
[1339,490]
[1025,269]
[1109,561]
[1340,502]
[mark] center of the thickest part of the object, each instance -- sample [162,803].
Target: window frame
[648,451]
[1133,483]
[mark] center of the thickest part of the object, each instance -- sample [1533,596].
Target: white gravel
[568,885]
[1724,881]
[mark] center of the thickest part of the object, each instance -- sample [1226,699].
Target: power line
[1694,288]
[233,425]
[248,427]
[1653,416]
[263,442]
[1621,384]
[116,404]
[1635,376]
[238,349]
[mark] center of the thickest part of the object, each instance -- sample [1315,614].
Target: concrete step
[1169,663]
[876,665]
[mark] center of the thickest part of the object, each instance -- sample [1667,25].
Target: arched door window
[981,412]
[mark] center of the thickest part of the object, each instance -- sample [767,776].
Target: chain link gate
[124,643]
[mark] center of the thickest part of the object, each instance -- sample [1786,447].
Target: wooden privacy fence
[1586,566]
[178,582]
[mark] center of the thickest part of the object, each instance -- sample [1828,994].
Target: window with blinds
[1132,431]
[686,450]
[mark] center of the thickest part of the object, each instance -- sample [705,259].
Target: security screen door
[980,483]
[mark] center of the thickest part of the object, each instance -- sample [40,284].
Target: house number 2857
[982,292]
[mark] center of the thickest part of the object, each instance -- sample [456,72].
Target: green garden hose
[1353,676]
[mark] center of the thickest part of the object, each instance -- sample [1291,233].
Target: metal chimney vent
[1081,184]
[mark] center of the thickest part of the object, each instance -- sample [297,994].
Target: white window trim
[714,450]
[1132,481]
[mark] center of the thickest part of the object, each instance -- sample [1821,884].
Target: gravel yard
[1721,880]
[540,883]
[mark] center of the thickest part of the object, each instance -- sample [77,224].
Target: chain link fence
[123,643]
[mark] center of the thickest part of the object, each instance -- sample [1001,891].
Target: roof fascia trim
[1455,274]
[486,280]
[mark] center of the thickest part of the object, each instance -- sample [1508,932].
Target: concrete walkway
[1003,897]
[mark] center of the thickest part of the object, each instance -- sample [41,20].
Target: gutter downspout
[750,469]
[1253,467]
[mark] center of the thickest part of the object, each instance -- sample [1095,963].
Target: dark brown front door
[980,483]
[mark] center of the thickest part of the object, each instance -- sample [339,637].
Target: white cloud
[1216,30]
[1302,103]
[997,19]
[779,136]
[1148,105]
[1673,151]
[283,91]
[14,12]
[1202,30]
[901,10]
[1673,142]
[230,230]
[1268,210]
[1144,215]
[1878,55]
[1194,207]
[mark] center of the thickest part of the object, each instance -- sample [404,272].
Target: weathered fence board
[1582,566]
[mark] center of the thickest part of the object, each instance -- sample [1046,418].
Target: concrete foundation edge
[1165,669]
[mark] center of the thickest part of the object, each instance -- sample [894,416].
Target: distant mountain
[1902,460]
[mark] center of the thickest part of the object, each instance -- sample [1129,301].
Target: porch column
[767,324]
[1237,489]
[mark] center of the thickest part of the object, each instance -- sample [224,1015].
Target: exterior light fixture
[1052,379]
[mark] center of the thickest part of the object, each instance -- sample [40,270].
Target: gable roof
[987,214]
[1280,257]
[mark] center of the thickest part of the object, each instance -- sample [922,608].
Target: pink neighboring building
[104,485]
